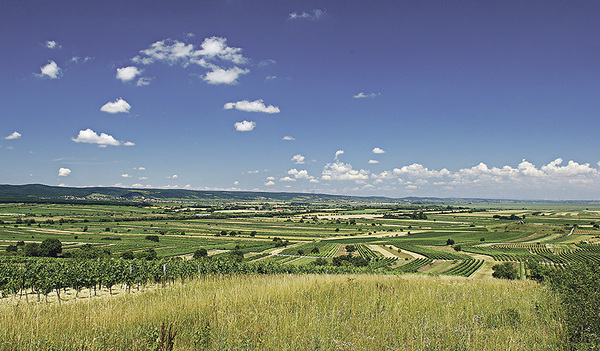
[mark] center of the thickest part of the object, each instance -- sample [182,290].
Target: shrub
[50,247]
[505,270]
[152,238]
[449,242]
[200,253]
[457,248]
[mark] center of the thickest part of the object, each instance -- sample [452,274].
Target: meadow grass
[300,312]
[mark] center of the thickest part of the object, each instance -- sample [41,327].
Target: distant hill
[40,192]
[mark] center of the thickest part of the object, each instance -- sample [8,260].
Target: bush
[200,253]
[127,255]
[50,247]
[457,248]
[505,270]
[449,242]
[152,238]
[31,249]
[12,248]
[578,286]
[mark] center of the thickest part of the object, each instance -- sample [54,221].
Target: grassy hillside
[300,312]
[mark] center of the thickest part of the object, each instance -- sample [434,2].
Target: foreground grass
[300,312]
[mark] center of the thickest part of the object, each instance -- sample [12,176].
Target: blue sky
[402,98]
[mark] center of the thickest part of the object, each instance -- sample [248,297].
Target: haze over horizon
[408,98]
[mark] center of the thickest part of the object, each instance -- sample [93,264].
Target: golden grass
[300,312]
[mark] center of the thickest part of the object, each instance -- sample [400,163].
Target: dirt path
[382,251]
[413,254]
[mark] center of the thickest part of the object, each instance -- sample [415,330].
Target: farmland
[372,261]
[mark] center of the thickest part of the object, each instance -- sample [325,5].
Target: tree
[31,249]
[200,253]
[505,270]
[449,242]
[350,248]
[12,248]
[152,238]
[315,250]
[457,248]
[253,233]
[50,247]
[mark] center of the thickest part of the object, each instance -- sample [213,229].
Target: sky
[368,98]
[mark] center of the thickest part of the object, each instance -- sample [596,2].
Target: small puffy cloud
[128,143]
[244,126]
[236,183]
[224,76]
[77,59]
[338,153]
[138,185]
[288,137]
[174,176]
[343,171]
[378,151]
[287,179]
[269,183]
[51,44]
[313,180]
[88,136]
[169,51]
[13,135]
[119,106]
[51,70]
[125,175]
[143,81]
[373,161]
[298,159]
[362,95]
[251,106]
[270,178]
[316,14]
[142,178]
[299,174]
[63,172]
[129,73]
[216,47]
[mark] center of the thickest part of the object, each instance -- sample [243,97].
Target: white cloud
[343,171]
[298,159]
[299,174]
[373,161]
[287,179]
[362,95]
[63,172]
[338,153]
[119,106]
[142,178]
[378,151]
[418,170]
[288,137]
[138,185]
[143,81]
[51,44]
[251,106]
[244,126]
[51,70]
[139,168]
[216,47]
[129,73]
[169,51]
[128,143]
[269,183]
[270,178]
[88,136]
[270,77]
[174,176]
[313,180]
[77,59]
[236,183]
[13,135]
[224,76]
[125,175]
[314,16]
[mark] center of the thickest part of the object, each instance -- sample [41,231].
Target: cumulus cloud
[298,159]
[373,161]
[129,73]
[287,179]
[88,136]
[299,174]
[128,143]
[316,14]
[288,137]
[270,183]
[13,135]
[343,171]
[418,170]
[125,175]
[224,76]
[63,172]
[251,106]
[119,106]
[244,126]
[212,54]
[378,151]
[52,44]
[338,153]
[362,95]
[51,70]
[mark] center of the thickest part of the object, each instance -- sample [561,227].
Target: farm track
[382,251]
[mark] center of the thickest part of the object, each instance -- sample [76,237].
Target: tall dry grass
[300,312]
